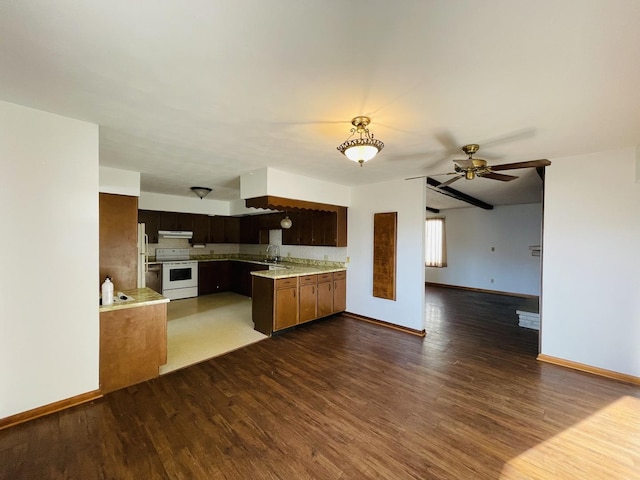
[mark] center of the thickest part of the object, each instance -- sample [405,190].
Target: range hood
[175,234]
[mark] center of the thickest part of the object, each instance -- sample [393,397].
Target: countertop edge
[142,297]
[296,272]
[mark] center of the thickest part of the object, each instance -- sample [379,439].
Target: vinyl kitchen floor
[204,327]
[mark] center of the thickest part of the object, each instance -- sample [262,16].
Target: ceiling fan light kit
[364,147]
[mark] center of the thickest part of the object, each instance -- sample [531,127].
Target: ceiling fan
[471,168]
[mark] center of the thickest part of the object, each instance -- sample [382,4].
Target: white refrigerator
[143,255]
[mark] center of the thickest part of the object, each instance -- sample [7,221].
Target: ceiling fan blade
[521,134]
[450,181]
[513,166]
[420,176]
[498,176]
[447,141]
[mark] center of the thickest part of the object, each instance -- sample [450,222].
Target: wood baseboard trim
[623,377]
[382,323]
[47,409]
[482,290]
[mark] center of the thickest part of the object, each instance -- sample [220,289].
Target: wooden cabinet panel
[249,231]
[317,228]
[286,308]
[307,302]
[214,277]
[200,229]
[216,229]
[339,291]
[118,240]
[184,222]
[133,345]
[168,221]
[231,229]
[151,220]
[325,296]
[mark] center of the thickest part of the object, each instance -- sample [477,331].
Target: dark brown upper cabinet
[201,229]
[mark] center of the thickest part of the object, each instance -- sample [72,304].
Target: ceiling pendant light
[364,147]
[286,222]
[201,191]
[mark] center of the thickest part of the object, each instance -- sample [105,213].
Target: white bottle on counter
[107,292]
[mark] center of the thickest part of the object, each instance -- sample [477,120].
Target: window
[435,245]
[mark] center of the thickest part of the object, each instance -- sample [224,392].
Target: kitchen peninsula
[284,298]
[133,339]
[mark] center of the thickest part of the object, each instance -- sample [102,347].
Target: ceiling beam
[434,210]
[453,193]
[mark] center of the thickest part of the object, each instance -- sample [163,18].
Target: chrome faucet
[273,253]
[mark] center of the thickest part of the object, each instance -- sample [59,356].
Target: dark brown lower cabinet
[214,276]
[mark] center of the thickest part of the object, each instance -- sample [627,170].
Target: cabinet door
[286,311]
[151,220]
[231,230]
[200,229]
[325,298]
[216,229]
[184,222]
[307,303]
[206,272]
[339,291]
[168,221]
[249,230]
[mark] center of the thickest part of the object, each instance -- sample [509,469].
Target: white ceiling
[199,92]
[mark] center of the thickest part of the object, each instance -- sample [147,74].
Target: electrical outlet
[493,249]
[492,280]
[348,259]
[288,254]
[326,257]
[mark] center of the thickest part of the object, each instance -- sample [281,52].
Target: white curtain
[435,248]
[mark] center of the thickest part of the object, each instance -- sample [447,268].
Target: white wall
[119,182]
[175,203]
[270,181]
[591,261]
[49,324]
[408,199]
[472,232]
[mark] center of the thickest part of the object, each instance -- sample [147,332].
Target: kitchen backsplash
[330,254]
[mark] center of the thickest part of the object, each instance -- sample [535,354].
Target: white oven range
[179,274]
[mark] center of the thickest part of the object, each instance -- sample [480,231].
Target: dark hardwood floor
[345,399]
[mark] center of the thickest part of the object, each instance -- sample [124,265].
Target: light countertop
[140,297]
[296,271]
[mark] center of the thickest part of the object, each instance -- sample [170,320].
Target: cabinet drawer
[340,275]
[308,279]
[325,277]
[286,282]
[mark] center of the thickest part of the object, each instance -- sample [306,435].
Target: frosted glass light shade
[359,153]
[286,222]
